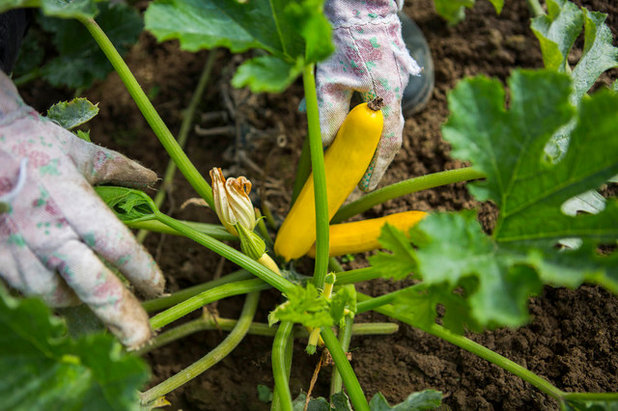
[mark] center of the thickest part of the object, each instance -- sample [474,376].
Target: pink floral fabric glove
[371,58]
[53,225]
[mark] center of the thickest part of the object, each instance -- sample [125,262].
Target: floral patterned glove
[371,58]
[53,225]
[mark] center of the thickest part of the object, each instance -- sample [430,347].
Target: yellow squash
[345,163]
[361,236]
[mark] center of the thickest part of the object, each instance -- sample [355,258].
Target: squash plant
[545,147]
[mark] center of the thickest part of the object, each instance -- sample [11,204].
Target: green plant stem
[150,114]
[206,297]
[207,323]
[355,392]
[374,302]
[345,335]
[535,8]
[162,303]
[262,230]
[302,171]
[405,187]
[230,253]
[473,347]
[590,396]
[283,338]
[319,177]
[183,134]
[334,266]
[210,359]
[358,275]
[214,230]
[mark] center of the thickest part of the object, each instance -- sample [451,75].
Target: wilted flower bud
[232,202]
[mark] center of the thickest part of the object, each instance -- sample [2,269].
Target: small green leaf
[340,402]
[315,404]
[265,394]
[266,73]
[56,8]
[128,204]
[44,369]
[401,263]
[70,114]
[453,10]
[423,400]
[309,307]
[84,135]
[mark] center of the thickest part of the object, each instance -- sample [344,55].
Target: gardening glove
[371,58]
[53,226]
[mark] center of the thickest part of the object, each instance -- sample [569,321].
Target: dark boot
[419,89]
[13,25]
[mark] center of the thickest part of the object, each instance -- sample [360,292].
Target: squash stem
[210,359]
[345,335]
[150,114]
[162,303]
[405,187]
[183,135]
[208,323]
[283,339]
[215,294]
[228,252]
[357,397]
[319,177]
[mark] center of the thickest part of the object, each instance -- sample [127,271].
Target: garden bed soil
[572,336]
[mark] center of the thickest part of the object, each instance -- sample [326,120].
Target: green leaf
[453,10]
[84,135]
[599,53]
[129,205]
[265,394]
[266,73]
[81,60]
[340,402]
[309,307]
[315,404]
[401,263]
[200,24]
[423,400]
[308,18]
[558,30]
[293,33]
[70,114]
[56,8]
[45,369]
[590,405]
[498,273]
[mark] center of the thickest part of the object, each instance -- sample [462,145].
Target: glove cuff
[11,104]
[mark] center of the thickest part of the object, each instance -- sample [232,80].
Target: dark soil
[569,340]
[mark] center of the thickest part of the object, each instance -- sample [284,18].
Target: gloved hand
[53,225]
[371,58]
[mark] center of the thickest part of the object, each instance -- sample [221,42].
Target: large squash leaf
[42,368]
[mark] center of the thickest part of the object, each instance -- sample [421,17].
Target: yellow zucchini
[361,236]
[345,163]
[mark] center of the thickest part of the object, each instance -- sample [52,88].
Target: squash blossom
[232,202]
[235,211]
